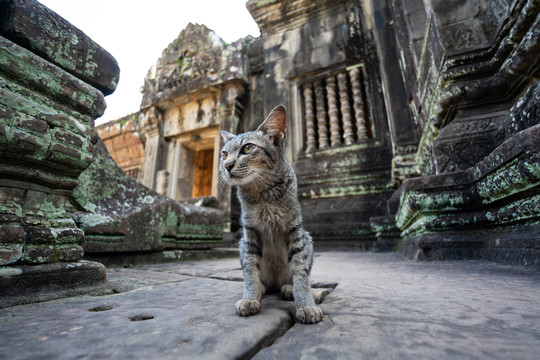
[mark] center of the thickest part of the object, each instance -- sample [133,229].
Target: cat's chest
[269,218]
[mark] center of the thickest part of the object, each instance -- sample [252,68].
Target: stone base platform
[23,284]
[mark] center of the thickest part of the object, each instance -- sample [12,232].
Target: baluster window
[334,110]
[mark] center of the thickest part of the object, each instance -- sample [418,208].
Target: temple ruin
[413,126]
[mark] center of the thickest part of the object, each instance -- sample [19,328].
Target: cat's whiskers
[222,181]
[262,176]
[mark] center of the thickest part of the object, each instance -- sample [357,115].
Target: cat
[276,253]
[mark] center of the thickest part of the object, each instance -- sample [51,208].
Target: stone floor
[382,307]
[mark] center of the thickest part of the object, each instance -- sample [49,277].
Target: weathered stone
[10,253]
[438,212]
[383,307]
[51,82]
[121,215]
[197,59]
[56,40]
[377,92]
[468,88]
[41,282]
[194,90]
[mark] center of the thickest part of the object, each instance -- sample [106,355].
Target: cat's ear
[275,125]
[227,136]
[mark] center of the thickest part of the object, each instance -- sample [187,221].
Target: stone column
[322,129]
[162,182]
[348,133]
[175,148]
[149,129]
[358,103]
[311,140]
[333,112]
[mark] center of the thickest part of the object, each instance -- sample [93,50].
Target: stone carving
[469,25]
[461,144]
[335,129]
[311,140]
[434,222]
[197,59]
[338,102]
[348,132]
[322,129]
[478,95]
[358,104]
[523,114]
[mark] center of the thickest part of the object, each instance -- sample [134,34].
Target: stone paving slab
[388,308]
[191,319]
[384,307]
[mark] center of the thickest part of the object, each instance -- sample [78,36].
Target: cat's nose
[229,165]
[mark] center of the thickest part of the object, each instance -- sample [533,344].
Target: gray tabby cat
[276,253]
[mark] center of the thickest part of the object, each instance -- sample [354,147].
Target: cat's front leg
[300,257]
[250,258]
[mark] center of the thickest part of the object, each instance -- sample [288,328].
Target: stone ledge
[25,284]
[44,32]
[463,214]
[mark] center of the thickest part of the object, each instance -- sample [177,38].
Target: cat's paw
[245,307]
[309,314]
[286,292]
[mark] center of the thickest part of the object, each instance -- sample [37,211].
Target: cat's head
[250,157]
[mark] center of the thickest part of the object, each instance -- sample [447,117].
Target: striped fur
[276,253]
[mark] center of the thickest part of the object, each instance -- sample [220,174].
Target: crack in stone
[267,341]
[285,327]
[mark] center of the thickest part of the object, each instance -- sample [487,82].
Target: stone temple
[411,123]
[413,127]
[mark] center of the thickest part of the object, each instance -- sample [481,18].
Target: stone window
[334,109]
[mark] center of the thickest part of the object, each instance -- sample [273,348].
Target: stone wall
[472,90]
[320,62]
[61,194]
[51,90]
[125,146]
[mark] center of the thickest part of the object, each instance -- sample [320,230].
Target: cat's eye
[248,148]
[224,155]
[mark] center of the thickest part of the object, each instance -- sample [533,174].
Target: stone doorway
[202,179]
[191,165]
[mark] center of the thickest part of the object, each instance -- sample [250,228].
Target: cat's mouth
[238,179]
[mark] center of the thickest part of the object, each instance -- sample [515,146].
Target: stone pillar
[348,133]
[175,148]
[333,112]
[52,82]
[162,182]
[322,129]
[311,140]
[152,154]
[358,103]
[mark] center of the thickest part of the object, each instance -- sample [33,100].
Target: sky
[136,32]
